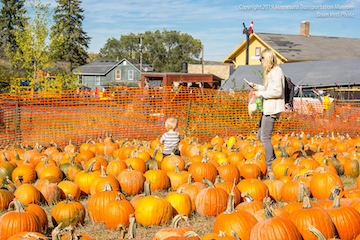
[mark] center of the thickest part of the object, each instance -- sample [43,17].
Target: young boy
[171,138]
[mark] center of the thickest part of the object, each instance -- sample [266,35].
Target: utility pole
[248,32]
[202,59]
[141,50]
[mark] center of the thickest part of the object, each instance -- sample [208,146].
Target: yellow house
[256,45]
[295,47]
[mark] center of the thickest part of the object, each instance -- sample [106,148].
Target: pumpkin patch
[113,184]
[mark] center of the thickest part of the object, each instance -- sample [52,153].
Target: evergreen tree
[12,16]
[68,17]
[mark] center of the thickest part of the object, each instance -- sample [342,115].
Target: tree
[165,51]
[68,19]
[93,57]
[112,49]
[34,49]
[12,16]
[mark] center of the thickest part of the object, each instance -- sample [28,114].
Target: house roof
[326,73]
[103,66]
[295,47]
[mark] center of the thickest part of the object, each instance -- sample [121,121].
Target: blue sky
[217,23]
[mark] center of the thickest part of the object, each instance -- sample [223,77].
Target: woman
[272,94]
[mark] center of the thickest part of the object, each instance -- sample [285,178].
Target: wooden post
[16,114]
[187,119]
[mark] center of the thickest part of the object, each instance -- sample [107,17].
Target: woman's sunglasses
[261,58]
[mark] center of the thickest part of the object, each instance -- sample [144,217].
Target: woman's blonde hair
[171,123]
[268,60]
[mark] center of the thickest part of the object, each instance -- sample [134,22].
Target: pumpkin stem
[267,208]
[319,235]
[147,189]
[257,155]
[103,173]
[301,192]
[131,231]
[107,187]
[284,153]
[72,161]
[247,197]
[307,203]
[204,160]
[55,234]
[130,168]
[118,197]
[271,176]
[336,203]
[155,152]
[221,233]
[177,169]
[308,173]
[18,206]
[297,176]
[177,219]
[5,158]
[90,167]
[286,172]
[123,143]
[175,149]
[335,191]
[188,165]
[155,167]
[190,234]
[219,179]
[69,196]
[121,229]
[189,181]
[230,205]
[234,234]
[208,182]
[17,156]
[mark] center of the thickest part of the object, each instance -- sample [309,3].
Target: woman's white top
[273,92]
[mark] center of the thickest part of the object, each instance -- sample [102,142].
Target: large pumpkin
[274,228]
[84,178]
[239,221]
[68,212]
[181,203]
[98,202]
[192,189]
[256,188]
[211,201]
[131,181]
[18,221]
[27,194]
[153,210]
[317,217]
[345,219]
[117,213]
[322,183]
[203,169]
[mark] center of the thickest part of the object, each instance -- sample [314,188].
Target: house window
[97,81]
[131,75]
[118,75]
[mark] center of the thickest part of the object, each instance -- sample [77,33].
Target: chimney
[305,28]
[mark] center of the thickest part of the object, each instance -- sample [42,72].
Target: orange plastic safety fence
[141,112]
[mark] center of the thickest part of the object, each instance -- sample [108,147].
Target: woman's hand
[252,85]
[256,93]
